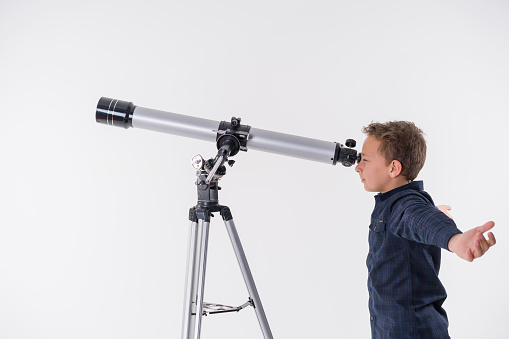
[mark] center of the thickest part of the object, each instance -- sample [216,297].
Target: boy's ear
[395,168]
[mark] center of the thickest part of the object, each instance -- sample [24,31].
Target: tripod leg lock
[199,213]
[226,213]
[192,214]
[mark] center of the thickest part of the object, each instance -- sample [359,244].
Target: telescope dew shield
[115,112]
[126,114]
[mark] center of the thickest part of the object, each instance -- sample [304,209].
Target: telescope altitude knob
[350,143]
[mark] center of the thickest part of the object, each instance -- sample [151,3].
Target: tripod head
[208,174]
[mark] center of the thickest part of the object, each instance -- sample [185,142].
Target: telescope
[230,135]
[230,138]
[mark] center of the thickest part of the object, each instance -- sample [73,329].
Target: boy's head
[392,155]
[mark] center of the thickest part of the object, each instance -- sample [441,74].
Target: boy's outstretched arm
[472,244]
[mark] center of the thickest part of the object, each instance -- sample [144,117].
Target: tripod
[208,175]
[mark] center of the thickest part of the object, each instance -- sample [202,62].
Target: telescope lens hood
[115,112]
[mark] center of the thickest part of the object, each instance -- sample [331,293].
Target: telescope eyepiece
[115,112]
[347,156]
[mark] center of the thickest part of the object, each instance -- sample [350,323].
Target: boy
[406,235]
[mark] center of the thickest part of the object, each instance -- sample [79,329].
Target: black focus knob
[350,143]
[235,121]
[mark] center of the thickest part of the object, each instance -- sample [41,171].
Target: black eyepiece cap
[115,112]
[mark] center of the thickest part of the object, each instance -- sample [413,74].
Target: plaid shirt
[406,235]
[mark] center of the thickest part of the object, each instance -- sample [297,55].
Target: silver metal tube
[218,163]
[248,279]
[195,280]
[201,276]
[188,320]
[259,139]
[173,123]
[292,145]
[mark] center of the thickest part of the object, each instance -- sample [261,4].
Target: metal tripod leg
[248,277]
[195,280]
[196,264]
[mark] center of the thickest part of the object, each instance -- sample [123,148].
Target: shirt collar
[414,185]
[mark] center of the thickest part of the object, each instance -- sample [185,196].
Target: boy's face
[373,169]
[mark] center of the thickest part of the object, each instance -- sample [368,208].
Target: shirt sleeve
[415,219]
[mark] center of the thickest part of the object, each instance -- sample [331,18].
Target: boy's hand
[445,209]
[472,244]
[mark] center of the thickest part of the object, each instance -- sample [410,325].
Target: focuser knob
[235,122]
[350,143]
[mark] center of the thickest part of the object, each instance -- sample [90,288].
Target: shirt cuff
[445,233]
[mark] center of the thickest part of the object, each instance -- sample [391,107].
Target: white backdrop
[93,219]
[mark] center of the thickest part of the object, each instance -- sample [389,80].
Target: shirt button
[372,318]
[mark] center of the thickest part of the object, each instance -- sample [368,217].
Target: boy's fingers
[486,227]
[469,255]
[484,244]
[491,239]
[478,251]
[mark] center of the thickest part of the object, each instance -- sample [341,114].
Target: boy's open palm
[472,244]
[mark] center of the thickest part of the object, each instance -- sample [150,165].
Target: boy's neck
[397,182]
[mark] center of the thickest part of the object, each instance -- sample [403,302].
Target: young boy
[406,235]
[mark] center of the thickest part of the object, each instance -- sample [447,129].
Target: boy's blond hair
[402,141]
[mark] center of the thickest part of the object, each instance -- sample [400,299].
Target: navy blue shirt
[406,235]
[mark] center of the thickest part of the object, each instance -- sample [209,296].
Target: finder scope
[237,136]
